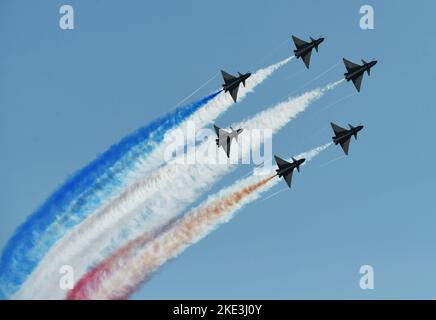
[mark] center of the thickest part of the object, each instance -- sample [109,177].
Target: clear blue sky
[65,96]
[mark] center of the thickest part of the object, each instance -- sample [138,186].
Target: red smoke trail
[119,275]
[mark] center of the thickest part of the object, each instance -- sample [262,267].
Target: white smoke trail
[147,204]
[203,118]
[126,269]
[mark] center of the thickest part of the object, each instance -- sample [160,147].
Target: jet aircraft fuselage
[353,74]
[303,50]
[344,135]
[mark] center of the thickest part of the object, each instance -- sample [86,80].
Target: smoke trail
[64,208]
[132,158]
[119,275]
[147,204]
[205,117]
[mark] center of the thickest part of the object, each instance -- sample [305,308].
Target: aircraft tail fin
[355,133]
[367,70]
[240,75]
[316,45]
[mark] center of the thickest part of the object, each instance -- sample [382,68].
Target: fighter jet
[355,72]
[343,136]
[231,83]
[286,168]
[225,138]
[304,49]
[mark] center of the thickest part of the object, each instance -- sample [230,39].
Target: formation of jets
[342,136]
[285,169]
[303,50]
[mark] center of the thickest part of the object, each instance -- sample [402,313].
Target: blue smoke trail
[79,195]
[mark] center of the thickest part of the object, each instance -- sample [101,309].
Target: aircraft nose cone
[321,40]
